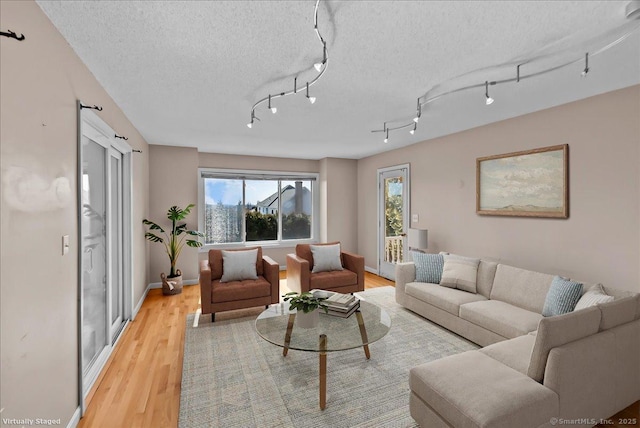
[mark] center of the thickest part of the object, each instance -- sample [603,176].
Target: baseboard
[75,419]
[140,302]
[184,282]
[371,270]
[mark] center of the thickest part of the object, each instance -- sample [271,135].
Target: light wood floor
[140,387]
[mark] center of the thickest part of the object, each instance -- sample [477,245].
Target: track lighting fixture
[311,99]
[413,130]
[537,66]
[320,67]
[586,65]
[253,118]
[274,110]
[488,100]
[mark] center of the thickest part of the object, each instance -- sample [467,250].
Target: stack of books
[340,305]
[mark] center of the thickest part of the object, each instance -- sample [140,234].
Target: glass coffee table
[277,325]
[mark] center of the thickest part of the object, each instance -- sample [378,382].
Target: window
[256,206]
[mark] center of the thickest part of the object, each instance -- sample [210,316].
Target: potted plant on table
[173,242]
[306,305]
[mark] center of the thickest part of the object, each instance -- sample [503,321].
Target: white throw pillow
[239,265]
[460,272]
[592,297]
[326,258]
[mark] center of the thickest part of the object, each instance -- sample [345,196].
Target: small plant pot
[307,320]
[171,286]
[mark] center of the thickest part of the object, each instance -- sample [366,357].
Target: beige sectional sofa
[573,369]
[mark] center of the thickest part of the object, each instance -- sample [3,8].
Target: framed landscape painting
[532,183]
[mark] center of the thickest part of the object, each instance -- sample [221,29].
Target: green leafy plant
[175,240]
[306,302]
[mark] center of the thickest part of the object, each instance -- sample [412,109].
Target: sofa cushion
[501,318]
[460,272]
[428,267]
[486,274]
[515,353]
[215,262]
[557,331]
[617,312]
[448,299]
[474,390]
[336,278]
[592,297]
[523,288]
[239,290]
[239,265]
[326,258]
[561,297]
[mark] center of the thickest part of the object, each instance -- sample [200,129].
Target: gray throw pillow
[326,258]
[561,297]
[460,272]
[428,267]
[239,265]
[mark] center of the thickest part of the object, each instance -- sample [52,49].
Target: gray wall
[600,240]
[40,80]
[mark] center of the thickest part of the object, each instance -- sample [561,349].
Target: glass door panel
[94,254]
[115,248]
[394,219]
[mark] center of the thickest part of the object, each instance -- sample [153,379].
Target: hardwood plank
[140,386]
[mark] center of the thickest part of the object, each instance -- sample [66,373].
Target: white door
[393,218]
[105,243]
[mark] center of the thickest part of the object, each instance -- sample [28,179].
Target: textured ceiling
[187,73]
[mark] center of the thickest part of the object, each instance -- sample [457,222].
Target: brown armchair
[219,296]
[300,277]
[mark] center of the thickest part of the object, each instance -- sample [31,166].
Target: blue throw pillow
[428,267]
[562,297]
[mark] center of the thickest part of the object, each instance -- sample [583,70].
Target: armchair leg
[213,317]
[266,306]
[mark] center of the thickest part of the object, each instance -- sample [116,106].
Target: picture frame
[530,183]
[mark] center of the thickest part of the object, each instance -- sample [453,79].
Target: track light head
[386,140]
[250,125]
[586,65]
[413,130]
[416,119]
[318,66]
[488,100]
[274,110]
[312,99]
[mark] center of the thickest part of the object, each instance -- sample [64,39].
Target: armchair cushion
[239,265]
[304,251]
[239,290]
[330,280]
[216,262]
[326,258]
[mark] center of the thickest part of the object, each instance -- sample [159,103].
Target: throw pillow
[592,297]
[326,258]
[561,297]
[460,272]
[428,267]
[239,265]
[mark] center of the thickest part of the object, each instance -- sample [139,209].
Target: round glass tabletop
[341,333]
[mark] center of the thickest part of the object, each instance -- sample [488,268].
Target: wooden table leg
[287,336]
[323,371]
[363,333]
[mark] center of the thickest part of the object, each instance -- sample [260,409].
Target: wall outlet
[415,218]
[65,245]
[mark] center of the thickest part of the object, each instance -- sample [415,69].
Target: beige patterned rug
[233,378]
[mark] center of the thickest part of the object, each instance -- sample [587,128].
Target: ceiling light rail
[10,34]
[320,67]
[519,76]
[94,107]
[121,137]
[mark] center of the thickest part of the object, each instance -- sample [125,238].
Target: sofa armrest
[297,273]
[355,263]
[205,286]
[405,273]
[272,275]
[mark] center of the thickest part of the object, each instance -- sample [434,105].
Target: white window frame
[277,175]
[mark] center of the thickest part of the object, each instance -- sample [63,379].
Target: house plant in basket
[173,241]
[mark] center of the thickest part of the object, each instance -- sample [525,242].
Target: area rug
[233,378]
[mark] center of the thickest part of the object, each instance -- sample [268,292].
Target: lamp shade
[417,238]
